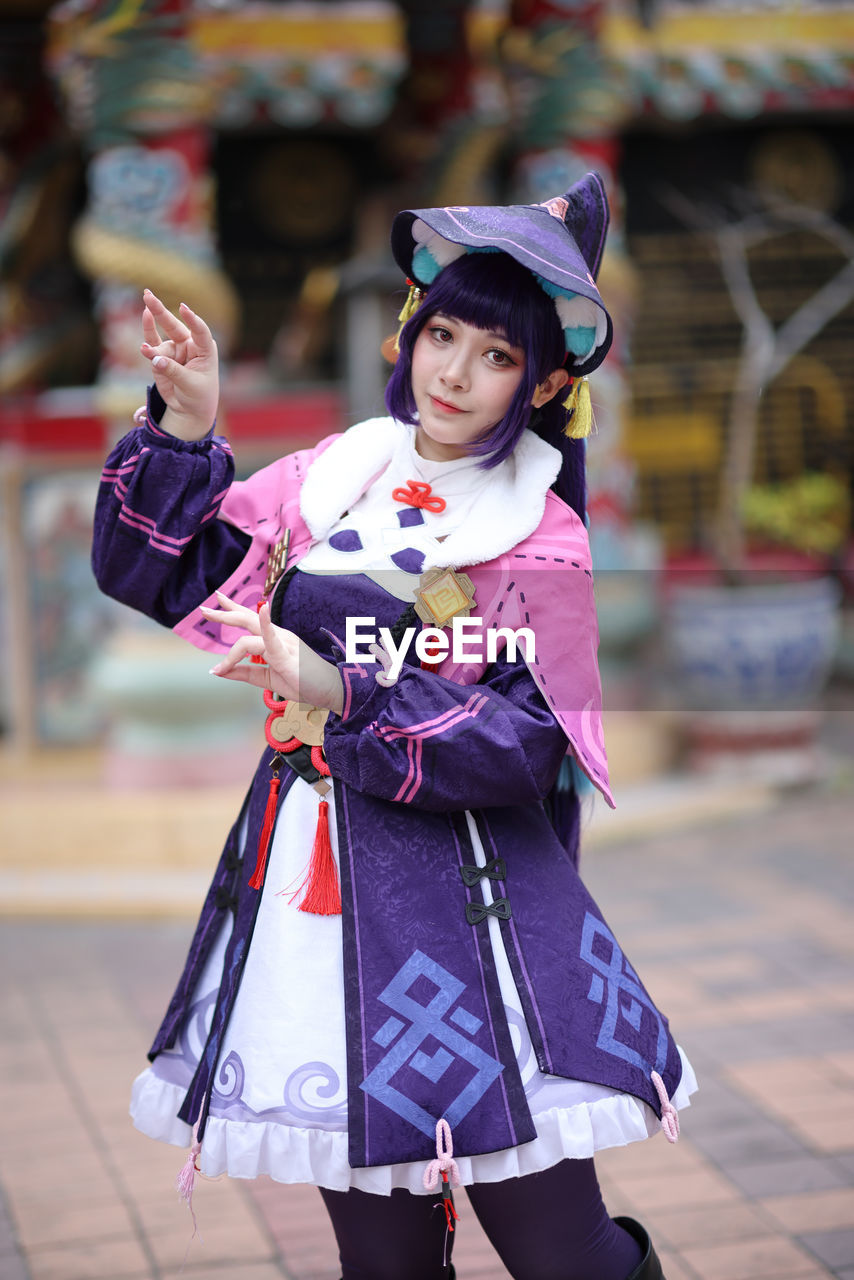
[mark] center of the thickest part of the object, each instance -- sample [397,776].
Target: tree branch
[809,320]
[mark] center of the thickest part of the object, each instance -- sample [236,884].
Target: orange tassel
[322,896]
[266,834]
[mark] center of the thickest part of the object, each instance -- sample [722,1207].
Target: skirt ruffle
[288,1153]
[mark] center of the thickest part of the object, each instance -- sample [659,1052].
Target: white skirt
[279,1098]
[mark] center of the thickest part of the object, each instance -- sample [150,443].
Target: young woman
[398,980]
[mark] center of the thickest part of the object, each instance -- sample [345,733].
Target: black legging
[547,1226]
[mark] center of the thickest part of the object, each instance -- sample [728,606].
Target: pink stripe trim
[413,778]
[469,711]
[407,782]
[140,521]
[110,473]
[419,776]
[152,538]
[437,724]
[415,745]
[145,522]
[416,784]
[347,672]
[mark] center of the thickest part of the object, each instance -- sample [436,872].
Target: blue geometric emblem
[613,980]
[426,1022]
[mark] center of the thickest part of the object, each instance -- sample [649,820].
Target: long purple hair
[493,291]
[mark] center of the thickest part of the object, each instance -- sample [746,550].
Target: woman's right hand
[185,367]
[290,667]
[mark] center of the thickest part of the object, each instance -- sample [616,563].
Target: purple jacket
[426,1031]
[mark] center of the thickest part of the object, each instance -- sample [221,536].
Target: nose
[455,371]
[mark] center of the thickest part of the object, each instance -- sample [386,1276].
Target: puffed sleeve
[435,744]
[158,545]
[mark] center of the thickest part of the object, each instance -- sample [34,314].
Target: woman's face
[463,381]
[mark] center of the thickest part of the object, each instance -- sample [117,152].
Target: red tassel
[266,833]
[322,895]
[451,1215]
[257,657]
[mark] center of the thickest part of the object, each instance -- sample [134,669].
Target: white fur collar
[506,511]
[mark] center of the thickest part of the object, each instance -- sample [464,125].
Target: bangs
[491,291]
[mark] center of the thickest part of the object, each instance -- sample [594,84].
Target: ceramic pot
[748,666]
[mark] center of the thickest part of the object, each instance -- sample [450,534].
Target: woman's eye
[499,357]
[441,334]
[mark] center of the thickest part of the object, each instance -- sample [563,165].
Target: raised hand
[185,366]
[292,669]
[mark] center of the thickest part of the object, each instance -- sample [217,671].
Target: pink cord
[185,1182]
[444,1162]
[669,1114]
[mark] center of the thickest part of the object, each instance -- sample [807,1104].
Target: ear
[549,387]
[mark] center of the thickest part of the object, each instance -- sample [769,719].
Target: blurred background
[247,159]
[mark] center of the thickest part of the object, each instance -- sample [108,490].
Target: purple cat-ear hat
[561,241]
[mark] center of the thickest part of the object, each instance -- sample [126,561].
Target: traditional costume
[470,979]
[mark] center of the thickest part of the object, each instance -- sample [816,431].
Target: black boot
[649,1267]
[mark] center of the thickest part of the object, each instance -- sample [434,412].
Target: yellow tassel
[579,410]
[413,301]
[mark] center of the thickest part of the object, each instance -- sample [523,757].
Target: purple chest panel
[316,607]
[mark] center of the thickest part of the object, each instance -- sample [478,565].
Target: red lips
[443,405]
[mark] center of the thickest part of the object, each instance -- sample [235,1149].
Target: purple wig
[492,291]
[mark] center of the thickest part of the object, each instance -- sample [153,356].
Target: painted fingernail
[160,362]
[214,671]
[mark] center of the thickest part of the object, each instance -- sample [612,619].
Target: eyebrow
[490,333]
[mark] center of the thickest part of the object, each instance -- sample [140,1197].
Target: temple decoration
[300,65]
[47,336]
[568,109]
[131,82]
[740,64]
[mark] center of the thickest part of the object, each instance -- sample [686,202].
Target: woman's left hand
[293,670]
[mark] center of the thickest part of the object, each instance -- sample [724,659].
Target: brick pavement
[743,931]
